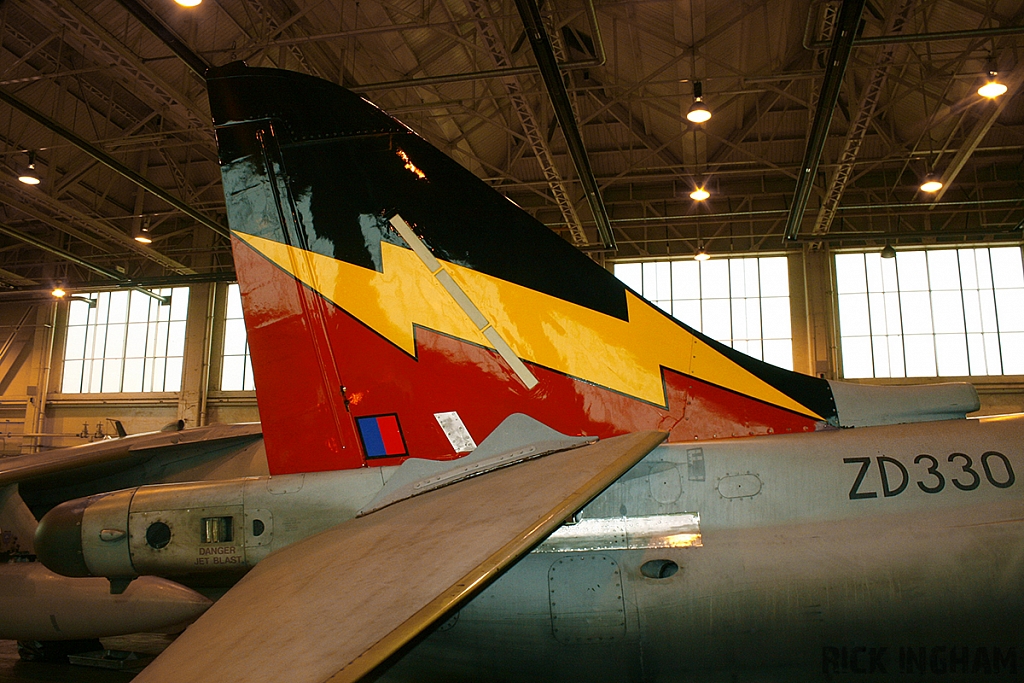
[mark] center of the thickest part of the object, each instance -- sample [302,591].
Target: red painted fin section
[306,426]
[447,376]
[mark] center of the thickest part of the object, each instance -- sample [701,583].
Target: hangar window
[741,302]
[236,367]
[934,313]
[125,342]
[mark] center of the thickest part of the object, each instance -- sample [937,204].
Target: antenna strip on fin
[464,302]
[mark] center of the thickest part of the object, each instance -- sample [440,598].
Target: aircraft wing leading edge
[369,586]
[99,458]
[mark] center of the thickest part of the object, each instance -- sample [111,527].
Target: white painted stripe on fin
[465,303]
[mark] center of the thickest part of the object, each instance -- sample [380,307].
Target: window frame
[104,357]
[941,339]
[229,322]
[745,343]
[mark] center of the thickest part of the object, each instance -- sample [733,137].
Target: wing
[51,477]
[338,604]
[120,452]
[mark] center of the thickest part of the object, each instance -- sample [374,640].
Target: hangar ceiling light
[992,88]
[29,175]
[699,112]
[931,184]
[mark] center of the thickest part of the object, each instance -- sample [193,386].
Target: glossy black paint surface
[342,167]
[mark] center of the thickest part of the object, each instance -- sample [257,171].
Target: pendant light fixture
[992,87]
[931,184]
[29,175]
[699,112]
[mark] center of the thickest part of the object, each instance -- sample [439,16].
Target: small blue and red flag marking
[382,436]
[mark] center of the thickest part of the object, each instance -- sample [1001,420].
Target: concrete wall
[35,415]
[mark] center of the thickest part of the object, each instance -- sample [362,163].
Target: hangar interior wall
[35,415]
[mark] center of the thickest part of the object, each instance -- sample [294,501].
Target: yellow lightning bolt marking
[625,356]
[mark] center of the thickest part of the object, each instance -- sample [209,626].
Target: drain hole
[659,569]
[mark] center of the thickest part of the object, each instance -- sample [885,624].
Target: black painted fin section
[341,167]
[347,166]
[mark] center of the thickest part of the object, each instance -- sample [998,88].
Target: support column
[820,312]
[196,371]
[42,352]
[800,322]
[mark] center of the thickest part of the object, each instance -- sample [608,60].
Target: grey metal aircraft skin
[889,551]
[877,553]
[38,605]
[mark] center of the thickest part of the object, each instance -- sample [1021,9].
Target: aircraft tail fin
[398,306]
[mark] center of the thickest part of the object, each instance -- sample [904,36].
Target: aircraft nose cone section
[58,543]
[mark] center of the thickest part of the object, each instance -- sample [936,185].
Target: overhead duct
[838,58]
[545,55]
[193,61]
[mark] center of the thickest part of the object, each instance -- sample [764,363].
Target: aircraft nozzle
[59,538]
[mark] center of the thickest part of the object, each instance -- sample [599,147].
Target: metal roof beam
[531,128]
[16,280]
[838,58]
[597,60]
[67,213]
[112,163]
[193,61]
[624,116]
[111,51]
[56,251]
[142,285]
[545,55]
[931,37]
[861,121]
[970,144]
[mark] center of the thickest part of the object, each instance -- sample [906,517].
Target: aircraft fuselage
[891,551]
[886,551]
